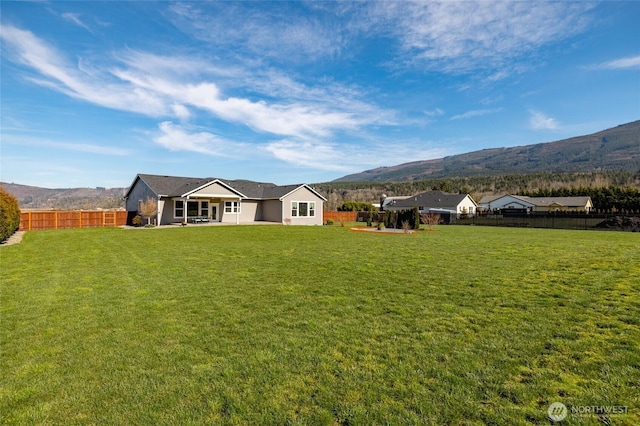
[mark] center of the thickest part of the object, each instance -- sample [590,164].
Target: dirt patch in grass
[383,231]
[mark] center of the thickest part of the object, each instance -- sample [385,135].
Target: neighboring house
[499,202]
[183,199]
[537,204]
[391,200]
[435,202]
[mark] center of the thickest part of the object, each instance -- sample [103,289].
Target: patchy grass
[318,325]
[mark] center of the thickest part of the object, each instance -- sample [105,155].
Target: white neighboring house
[436,202]
[499,202]
[537,204]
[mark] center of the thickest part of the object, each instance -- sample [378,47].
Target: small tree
[430,219]
[149,208]
[9,215]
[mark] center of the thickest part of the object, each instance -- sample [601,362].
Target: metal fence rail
[560,221]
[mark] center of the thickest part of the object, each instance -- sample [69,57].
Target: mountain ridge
[617,148]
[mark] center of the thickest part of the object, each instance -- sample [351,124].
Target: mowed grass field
[318,325]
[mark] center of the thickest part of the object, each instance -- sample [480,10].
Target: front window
[192,208]
[178,210]
[232,206]
[303,209]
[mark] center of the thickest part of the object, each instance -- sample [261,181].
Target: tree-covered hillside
[612,149]
[339,192]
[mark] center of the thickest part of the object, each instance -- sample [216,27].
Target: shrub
[149,208]
[9,215]
[355,206]
[411,216]
[137,220]
[329,222]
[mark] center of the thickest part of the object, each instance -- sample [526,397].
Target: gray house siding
[302,194]
[139,192]
[202,196]
[272,210]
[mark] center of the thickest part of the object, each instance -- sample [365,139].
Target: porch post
[238,212]
[185,209]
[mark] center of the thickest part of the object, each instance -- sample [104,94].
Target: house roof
[176,186]
[578,201]
[489,198]
[558,201]
[433,199]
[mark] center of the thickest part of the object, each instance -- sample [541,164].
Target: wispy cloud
[36,142]
[630,62]
[175,137]
[75,18]
[160,86]
[475,113]
[462,36]
[281,33]
[540,121]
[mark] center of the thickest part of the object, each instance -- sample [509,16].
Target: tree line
[339,193]
[605,200]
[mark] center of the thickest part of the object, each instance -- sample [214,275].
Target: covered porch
[201,209]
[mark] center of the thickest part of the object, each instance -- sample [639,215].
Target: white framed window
[178,208]
[303,209]
[232,206]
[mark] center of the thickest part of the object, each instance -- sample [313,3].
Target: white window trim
[309,209]
[184,207]
[236,207]
[176,216]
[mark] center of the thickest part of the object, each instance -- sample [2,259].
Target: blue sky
[291,92]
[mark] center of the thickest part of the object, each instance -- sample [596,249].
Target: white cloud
[434,113]
[36,142]
[631,62]
[475,113]
[160,86]
[539,121]
[349,157]
[466,35]
[179,138]
[281,33]
[75,18]
[317,155]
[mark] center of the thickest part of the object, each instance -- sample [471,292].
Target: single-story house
[435,202]
[184,200]
[537,204]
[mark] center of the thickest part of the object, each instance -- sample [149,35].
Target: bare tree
[430,219]
[149,208]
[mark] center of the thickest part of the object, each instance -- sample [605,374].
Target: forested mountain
[33,197]
[612,149]
[583,183]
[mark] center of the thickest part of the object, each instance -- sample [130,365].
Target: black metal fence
[547,220]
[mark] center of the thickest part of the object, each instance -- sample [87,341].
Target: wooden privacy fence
[65,219]
[339,216]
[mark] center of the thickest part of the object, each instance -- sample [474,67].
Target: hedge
[9,215]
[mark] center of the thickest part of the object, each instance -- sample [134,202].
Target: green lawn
[318,325]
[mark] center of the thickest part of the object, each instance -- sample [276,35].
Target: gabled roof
[579,201]
[433,199]
[175,186]
[489,198]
